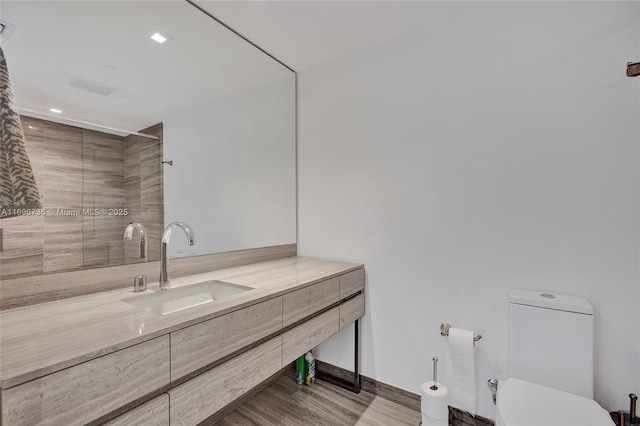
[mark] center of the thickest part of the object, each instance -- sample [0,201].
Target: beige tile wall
[84,169]
[143,193]
[103,180]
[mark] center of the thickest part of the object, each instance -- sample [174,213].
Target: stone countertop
[41,339]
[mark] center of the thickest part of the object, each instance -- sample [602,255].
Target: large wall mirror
[121,127]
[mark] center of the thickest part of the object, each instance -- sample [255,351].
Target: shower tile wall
[35,245]
[77,169]
[143,189]
[23,247]
[103,177]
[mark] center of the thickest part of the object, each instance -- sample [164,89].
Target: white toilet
[551,363]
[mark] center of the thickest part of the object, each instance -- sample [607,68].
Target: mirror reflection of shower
[95,180]
[228,129]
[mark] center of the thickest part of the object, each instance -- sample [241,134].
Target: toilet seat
[521,403]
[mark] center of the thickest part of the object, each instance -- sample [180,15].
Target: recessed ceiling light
[55,110]
[158,37]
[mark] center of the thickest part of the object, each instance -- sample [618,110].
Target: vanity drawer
[152,413]
[204,395]
[310,334]
[351,282]
[304,302]
[351,311]
[86,391]
[201,344]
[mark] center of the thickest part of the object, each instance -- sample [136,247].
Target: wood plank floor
[285,403]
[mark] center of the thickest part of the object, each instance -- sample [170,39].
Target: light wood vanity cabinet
[206,394]
[304,302]
[309,334]
[87,391]
[253,335]
[201,344]
[152,413]
[351,282]
[351,310]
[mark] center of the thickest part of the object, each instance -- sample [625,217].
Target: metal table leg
[354,385]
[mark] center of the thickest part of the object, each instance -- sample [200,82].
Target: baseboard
[374,387]
[403,397]
[458,417]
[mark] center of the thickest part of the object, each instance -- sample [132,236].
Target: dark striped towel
[18,189]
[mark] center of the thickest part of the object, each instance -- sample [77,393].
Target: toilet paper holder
[444,331]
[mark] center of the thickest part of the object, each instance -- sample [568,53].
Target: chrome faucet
[165,279]
[142,236]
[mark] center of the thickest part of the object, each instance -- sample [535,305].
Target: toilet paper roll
[434,403]
[464,373]
[430,421]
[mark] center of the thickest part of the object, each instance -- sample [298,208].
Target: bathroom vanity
[101,359]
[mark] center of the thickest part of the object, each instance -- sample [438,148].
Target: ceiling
[56,50]
[107,42]
[306,34]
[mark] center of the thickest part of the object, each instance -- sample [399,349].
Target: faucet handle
[140,283]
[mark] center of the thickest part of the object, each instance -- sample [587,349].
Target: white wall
[495,148]
[233,176]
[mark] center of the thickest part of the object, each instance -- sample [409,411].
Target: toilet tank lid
[543,299]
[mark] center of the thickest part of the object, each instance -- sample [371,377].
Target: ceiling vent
[92,86]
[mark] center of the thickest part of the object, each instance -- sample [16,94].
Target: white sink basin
[164,302]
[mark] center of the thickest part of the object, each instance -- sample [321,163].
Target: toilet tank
[551,340]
